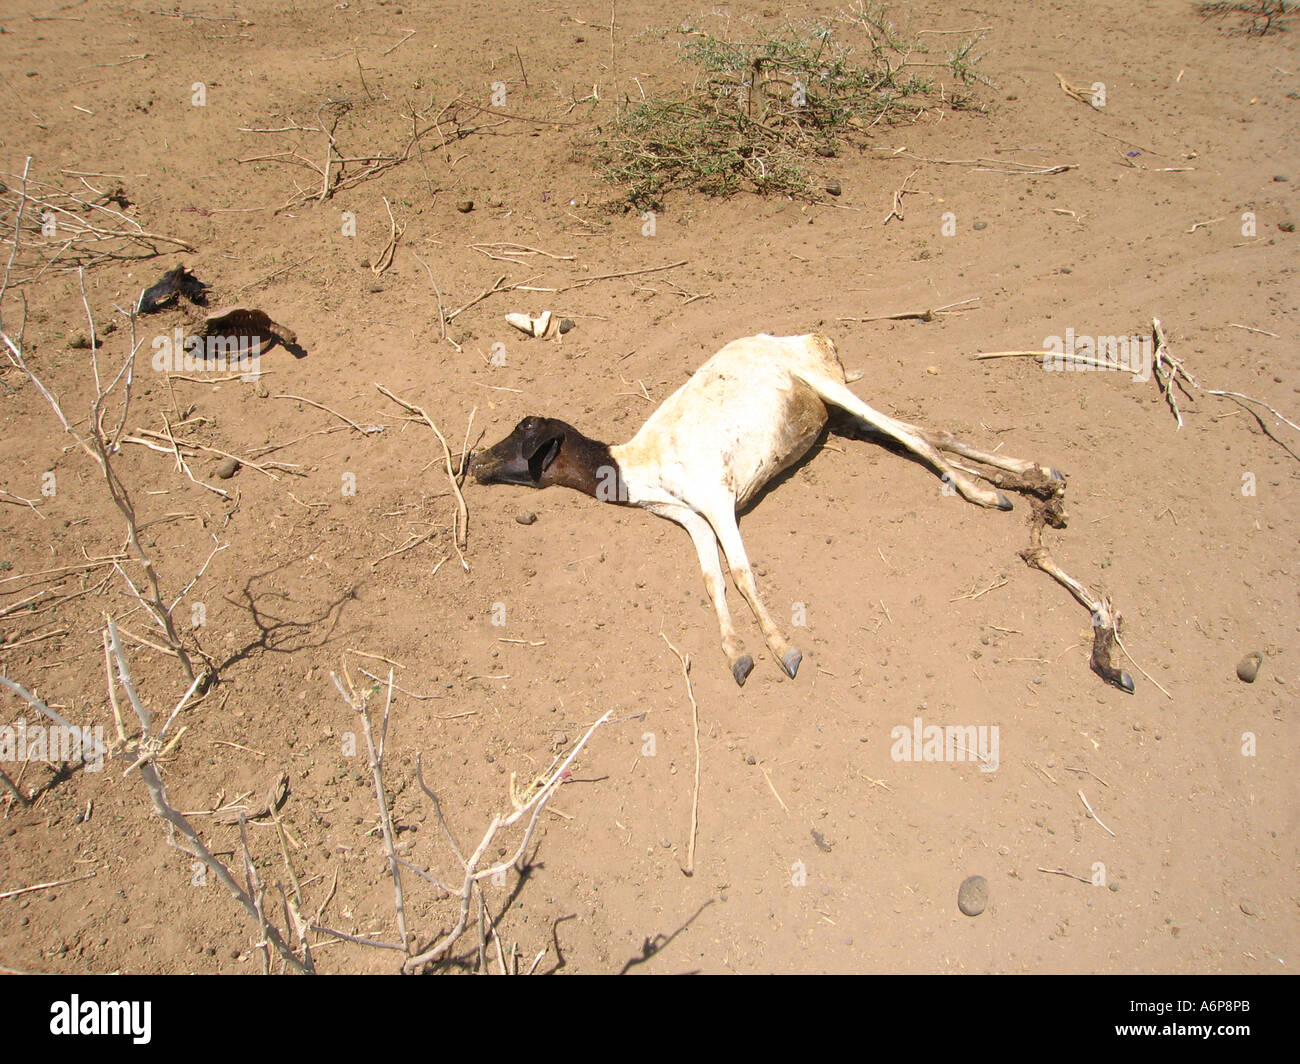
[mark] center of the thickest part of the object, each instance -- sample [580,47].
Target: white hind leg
[945,441]
[837,394]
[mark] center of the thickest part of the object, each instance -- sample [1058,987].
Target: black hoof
[741,669]
[1125,683]
[1003,502]
[790,662]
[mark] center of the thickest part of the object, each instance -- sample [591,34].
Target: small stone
[973,895]
[1286,227]
[980,225]
[465,206]
[567,325]
[932,370]
[833,187]
[1248,667]
[228,468]
[1280,177]
[260,390]
[525,517]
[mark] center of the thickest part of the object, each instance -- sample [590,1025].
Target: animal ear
[546,452]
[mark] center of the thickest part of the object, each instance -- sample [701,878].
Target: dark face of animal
[527,456]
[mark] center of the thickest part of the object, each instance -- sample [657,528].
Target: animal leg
[723,520]
[945,441]
[832,391]
[706,546]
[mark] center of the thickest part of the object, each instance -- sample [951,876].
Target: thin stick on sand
[461,525]
[695,799]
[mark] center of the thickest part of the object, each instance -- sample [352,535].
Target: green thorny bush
[761,112]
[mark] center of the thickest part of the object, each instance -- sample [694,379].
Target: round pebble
[465,206]
[1248,667]
[526,517]
[227,468]
[973,895]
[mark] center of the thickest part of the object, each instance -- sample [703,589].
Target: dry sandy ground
[816,850]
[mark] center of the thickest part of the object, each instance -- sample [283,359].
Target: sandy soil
[817,850]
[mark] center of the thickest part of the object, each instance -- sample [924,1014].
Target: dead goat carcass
[750,412]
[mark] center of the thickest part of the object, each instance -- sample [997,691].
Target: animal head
[543,451]
[528,456]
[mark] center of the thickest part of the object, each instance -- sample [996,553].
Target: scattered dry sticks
[1172,376]
[502,251]
[334,173]
[988,166]
[1077,92]
[621,273]
[1170,371]
[66,228]
[273,796]
[1071,359]
[460,526]
[149,436]
[45,886]
[442,312]
[395,233]
[897,210]
[918,315]
[1069,875]
[695,799]
[360,703]
[18,500]
[1251,328]
[412,541]
[526,286]
[143,752]
[322,406]
[1001,581]
[1083,798]
[543,790]
[497,286]
[99,443]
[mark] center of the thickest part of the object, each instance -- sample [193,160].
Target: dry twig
[461,525]
[695,799]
